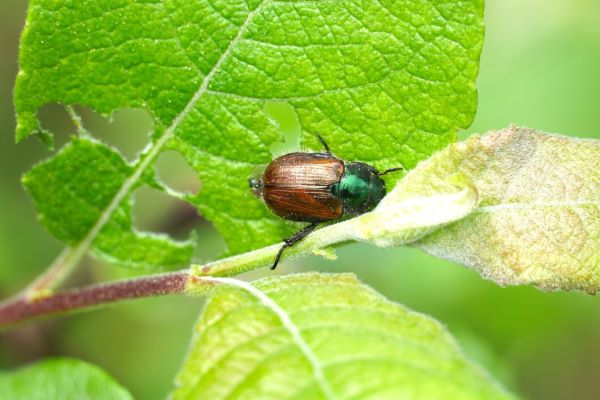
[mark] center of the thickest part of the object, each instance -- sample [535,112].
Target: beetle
[317,188]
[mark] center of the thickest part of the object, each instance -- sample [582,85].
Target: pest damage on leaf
[210,82]
[206,97]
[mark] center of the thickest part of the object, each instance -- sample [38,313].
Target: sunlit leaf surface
[387,82]
[314,336]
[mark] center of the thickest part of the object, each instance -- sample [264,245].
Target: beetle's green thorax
[360,188]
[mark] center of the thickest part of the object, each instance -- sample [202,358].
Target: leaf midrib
[526,206]
[77,252]
[289,326]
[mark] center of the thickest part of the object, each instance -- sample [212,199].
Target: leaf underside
[538,219]
[386,82]
[341,340]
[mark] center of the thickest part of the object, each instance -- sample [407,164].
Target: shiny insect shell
[316,188]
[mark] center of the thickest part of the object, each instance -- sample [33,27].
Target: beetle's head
[256,185]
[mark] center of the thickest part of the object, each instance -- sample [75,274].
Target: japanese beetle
[316,188]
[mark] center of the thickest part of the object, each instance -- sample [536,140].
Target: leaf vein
[289,325]
[83,246]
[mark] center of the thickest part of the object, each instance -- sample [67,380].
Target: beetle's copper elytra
[318,187]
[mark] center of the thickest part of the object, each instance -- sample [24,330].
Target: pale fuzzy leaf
[388,82]
[404,216]
[60,379]
[538,220]
[318,336]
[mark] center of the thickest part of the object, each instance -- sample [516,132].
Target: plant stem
[52,277]
[68,259]
[321,238]
[42,302]
[77,121]
[22,309]
[400,222]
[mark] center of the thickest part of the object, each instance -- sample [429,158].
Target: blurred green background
[540,68]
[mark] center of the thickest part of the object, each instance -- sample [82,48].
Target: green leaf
[60,379]
[387,82]
[319,336]
[73,188]
[538,219]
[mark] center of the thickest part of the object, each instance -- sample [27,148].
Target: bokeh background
[540,68]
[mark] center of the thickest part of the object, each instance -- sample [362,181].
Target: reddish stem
[21,309]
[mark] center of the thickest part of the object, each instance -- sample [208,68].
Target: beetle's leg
[324,143]
[390,170]
[295,238]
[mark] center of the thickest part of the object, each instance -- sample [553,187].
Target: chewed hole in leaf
[209,100]
[55,119]
[174,172]
[156,211]
[211,245]
[283,115]
[127,130]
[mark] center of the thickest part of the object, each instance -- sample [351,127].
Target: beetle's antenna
[324,143]
[390,170]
